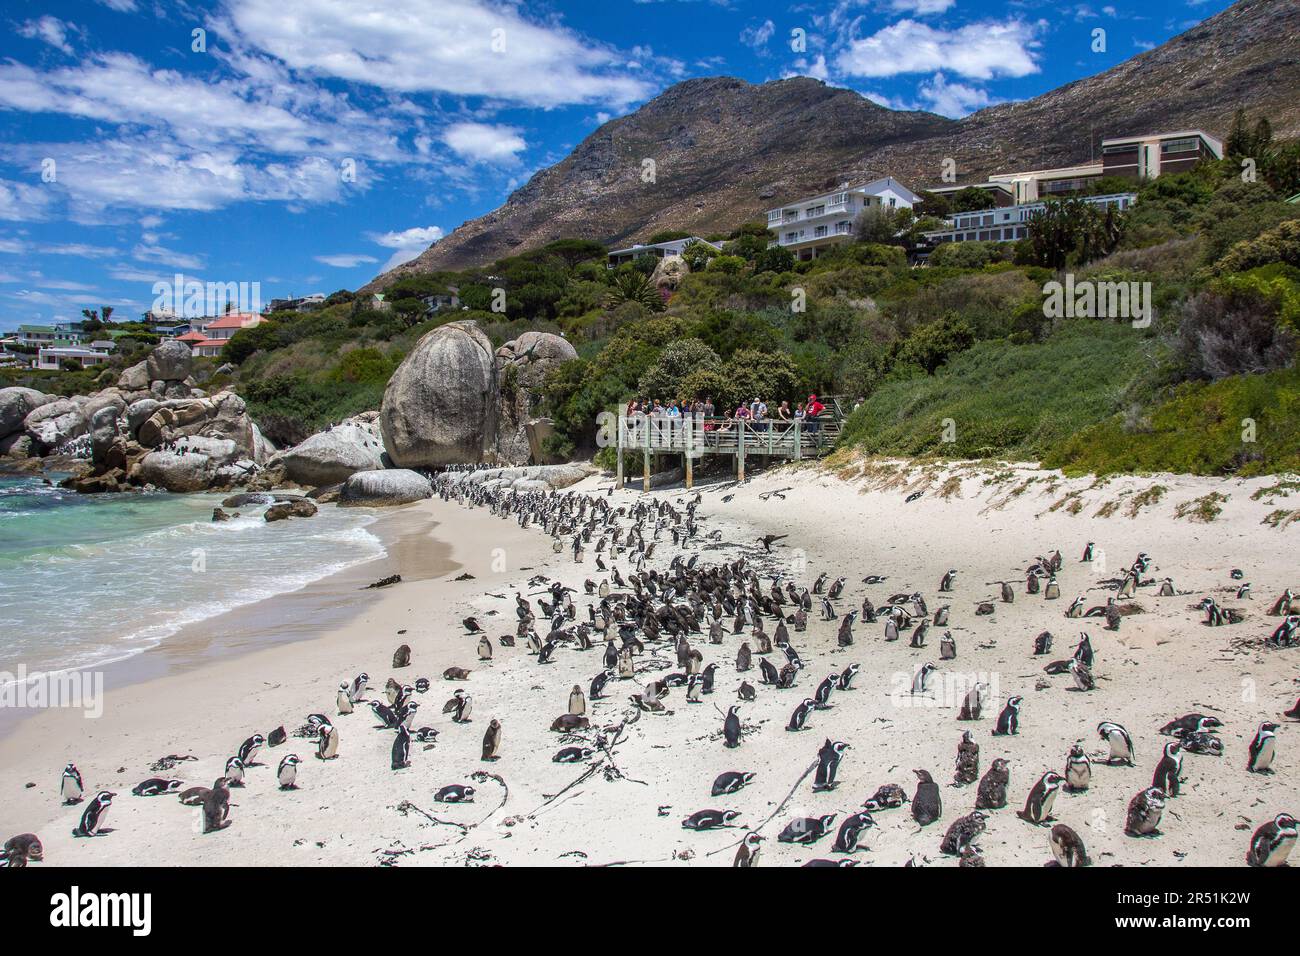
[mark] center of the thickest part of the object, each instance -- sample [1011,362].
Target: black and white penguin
[1009,719]
[992,791]
[577,702]
[287,773]
[1052,592]
[851,830]
[921,677]
[962,833]
[968,760]
[731,726]
[460,706]
[492,739]
[945,585]
[1273,842]
[1144,812]
[92,818]
[1076,607]
[850,672]
[973,704]
[709,819]
[359,685]
[927,806]
[1169,768]
[249,748]
[1083,679]
[343,700]
[1262,748]
[597,689]
[746,691]
[947,647]
[70,787]
[1087,553]
[747,852]
[235,772]
[1038,806]
[455,793]
[799,719]
[156,786]
[1078,770]
[1121,744]
[807,830]
[573,755]
[731,781]
[327,743]
[828,764]
[1067,847]
[1190,723]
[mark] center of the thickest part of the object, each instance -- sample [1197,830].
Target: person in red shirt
[812,412]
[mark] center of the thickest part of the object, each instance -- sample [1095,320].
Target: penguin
[92,818]
[22,849]
[1121,745]
[799,719]
[1167,771]
[1043,644]
[1166,588]
[1083,680]
[889,796]
[694,689]
[1008,594]
[746,691]
[402,656]
[926,803]
[249,748]
[570,723]
[1262,748]
[597,689]
[1038,806]
[455,793]
[822,695]
[343,701]
[709,819]
[156,786]
[963,833]
[767,671]
[359,685]
[70,787]
[1078,770]
[850,672]
[459,706]
[973,704]
[492,740]
[1083,651]
[947,647]
[401,751]
[1067,847]
[945,585]
[1282,606]
[941,616]
[287,773]
[1052,592]
[1190,723]
[1087,553]
[1272,843]
[920,678]
[1144,812]
[968,760]
[484,648]
[851,830]
[1009,719]
[577,702]
[573,755]
[1076,608]
[731,781]
[807,830]
[327,743]
[731,726]
[747,852]
[216,807]
[992,791]
[235,772]
[744,657]
[828,764]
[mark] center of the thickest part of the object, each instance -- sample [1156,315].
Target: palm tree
[635,287]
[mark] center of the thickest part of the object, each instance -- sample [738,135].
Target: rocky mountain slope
[726,150]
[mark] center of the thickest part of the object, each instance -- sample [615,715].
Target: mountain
[726,150]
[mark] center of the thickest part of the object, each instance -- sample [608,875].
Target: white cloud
[406,244]
[23,201]
[80,249]
[921,7]
[51,30]
[978,50]
[483,142]
[816,69]
[346,260]
[167,257]
[121,6]
[756,37]
[952,99]
[462,47]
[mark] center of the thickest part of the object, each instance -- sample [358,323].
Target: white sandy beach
[988,522]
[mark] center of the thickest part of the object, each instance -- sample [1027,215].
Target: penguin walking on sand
[577,702]
[1166,777]
[235,772]
[921,678]
[851,830]
[1262,748]
[845,681]
[1009,719]
[731,726]
[927,806]
[70,787]
[459,706]
[327,743]
[799,719]
[1120,743]
[492,740]
[968,760]
[401,752]
[992,791]
[1273,842]
[945,585]
[343,701]
[1078,770]
[1067,847]
[287,773]
[747,852]
[1038,806]
[249,748]
[92,818]
[828,764]
[1144,813]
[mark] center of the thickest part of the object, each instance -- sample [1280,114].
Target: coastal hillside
[727,150]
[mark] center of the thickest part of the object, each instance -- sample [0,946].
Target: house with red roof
[218,332]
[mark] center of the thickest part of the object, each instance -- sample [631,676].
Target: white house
[660,250]
[809,227]
[1009,223]
[53,358]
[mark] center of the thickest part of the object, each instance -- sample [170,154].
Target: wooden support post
[688,431]
[740,450]
[645,473]
[798,442]
[622,431]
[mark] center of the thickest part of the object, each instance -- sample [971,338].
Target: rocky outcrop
[16,404]
[334,455]
[223,416]
[397,486]
[521,366]
[528,477]
[172,361]
[440,405]
[55,423]
[300,508]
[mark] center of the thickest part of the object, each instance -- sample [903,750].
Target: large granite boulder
[172,361]
[175,471]
[16,404]
[396,486]
[440,405]
[52,424]
[219,416]
[330,457]
[136,378]
[521,367]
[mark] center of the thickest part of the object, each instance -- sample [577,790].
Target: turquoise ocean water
[90,579]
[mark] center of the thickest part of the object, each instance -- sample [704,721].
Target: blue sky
[309,144]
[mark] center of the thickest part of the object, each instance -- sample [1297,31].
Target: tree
[878,224]
[774,259]
[1072,231]
[676,362]
[696,255]
[635,287]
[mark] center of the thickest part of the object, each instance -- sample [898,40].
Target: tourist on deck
[813,412]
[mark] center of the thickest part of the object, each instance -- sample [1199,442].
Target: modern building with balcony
[810,226]
[659,250]
[1009,223]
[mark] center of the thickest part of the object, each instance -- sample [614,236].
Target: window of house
[1185,145]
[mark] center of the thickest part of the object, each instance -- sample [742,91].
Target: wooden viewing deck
[694,437]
